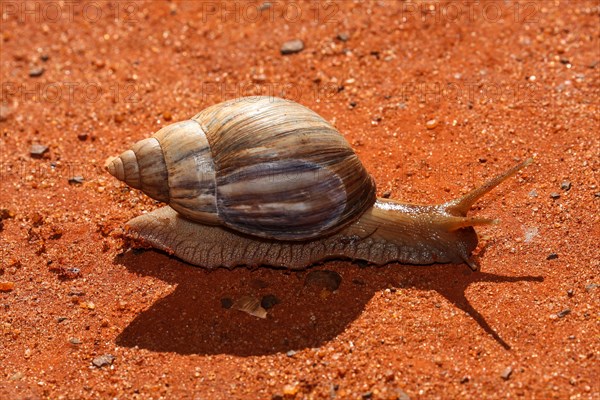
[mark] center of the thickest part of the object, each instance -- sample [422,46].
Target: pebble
[290,353]
[82,136]
[591,286]
[74,340]
[507,373]
[431,124]
[564,313]
[167,116]
[325,279]
[292,46]
[264,6]
[38,150]
[44,57]
[566,186]
[400,394]
[4,112]
[386,194]
[570,292]
[36,71]
[465,379]
[269,301]
[555,195]
[552,256]
[76,180]
[597,194]
[343,36]
[7,286]
[533,193]
[17,376]
[103,360]
[259,78]
[290,390]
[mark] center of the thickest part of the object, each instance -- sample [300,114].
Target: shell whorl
[263,166]
[174,166]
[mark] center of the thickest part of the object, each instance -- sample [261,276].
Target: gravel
[506,373]
[292,47]
[103,360]
[38,150]
[566,186]
[36,71]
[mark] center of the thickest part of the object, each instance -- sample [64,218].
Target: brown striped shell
[263,166]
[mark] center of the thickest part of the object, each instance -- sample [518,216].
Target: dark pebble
[552,256]
[465,379]
[44,57]
[76,180]
[82,136]
[226,302]
[35,72]
[292,46]
[555,195]
[367,395]
[564,61]
[386,194]
[597,194]
[277,396]
[61,319]
[269,301]
[566,185]
[343,36]
[329,280]
[507,373]
[103,361]
[483,160]
[564,313]
[353,104]
[570,292]
[38,150]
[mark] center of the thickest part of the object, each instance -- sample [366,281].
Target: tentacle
[461,206]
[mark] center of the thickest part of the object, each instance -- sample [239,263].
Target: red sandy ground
[503,81]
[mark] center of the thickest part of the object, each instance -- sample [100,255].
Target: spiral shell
[263,166]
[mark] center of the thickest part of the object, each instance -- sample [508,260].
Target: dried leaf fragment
[250,305]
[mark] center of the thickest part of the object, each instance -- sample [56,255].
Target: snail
[266,181]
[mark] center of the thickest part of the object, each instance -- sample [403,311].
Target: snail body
[262,180]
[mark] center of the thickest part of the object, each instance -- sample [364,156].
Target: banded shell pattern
[263,166]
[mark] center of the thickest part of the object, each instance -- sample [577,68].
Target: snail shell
[263,166]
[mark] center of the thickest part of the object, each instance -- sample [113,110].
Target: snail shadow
[191,319]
